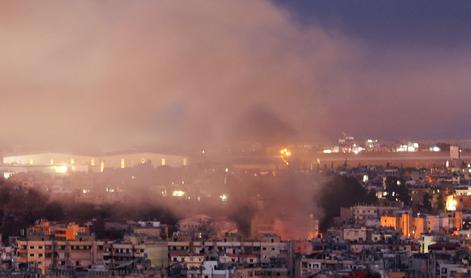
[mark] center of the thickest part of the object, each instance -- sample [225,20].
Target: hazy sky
[119,74]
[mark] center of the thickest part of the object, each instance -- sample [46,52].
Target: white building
[62,163]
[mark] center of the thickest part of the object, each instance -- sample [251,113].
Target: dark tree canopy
[397,190]
[20,207]
[341,191]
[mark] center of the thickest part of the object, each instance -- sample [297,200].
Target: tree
[339,192]
[427,202]
[397,190]
[441,203]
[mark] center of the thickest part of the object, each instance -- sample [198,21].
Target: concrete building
[61,163]
[355,234]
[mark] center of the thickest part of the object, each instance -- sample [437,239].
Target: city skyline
[235,138]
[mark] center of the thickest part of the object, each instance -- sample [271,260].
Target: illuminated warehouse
[63,162]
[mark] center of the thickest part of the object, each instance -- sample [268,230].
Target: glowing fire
[284,155]
[451,203]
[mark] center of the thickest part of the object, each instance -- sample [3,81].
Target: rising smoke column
[117,74]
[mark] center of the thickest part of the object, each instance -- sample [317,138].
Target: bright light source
[284,155]
[226,170]
[7,175]
[357,150]
[61,169]
[327,151]
[178,193]
[285,152]
[223,197]
[451,203]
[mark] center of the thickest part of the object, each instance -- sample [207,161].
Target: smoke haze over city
[111,75]
[235,138]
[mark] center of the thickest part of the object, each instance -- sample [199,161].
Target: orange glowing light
[284,155]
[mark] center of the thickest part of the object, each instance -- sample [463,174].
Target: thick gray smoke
[132,73]
[285,201]
[107,75]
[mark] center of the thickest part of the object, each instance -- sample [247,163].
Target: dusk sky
[109,75]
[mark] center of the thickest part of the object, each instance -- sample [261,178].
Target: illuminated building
[389,221]
[59,254]
[411,227]
[409,147]
[62,163]
[71,231]
[372,145]
[415,226]
[54,246]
